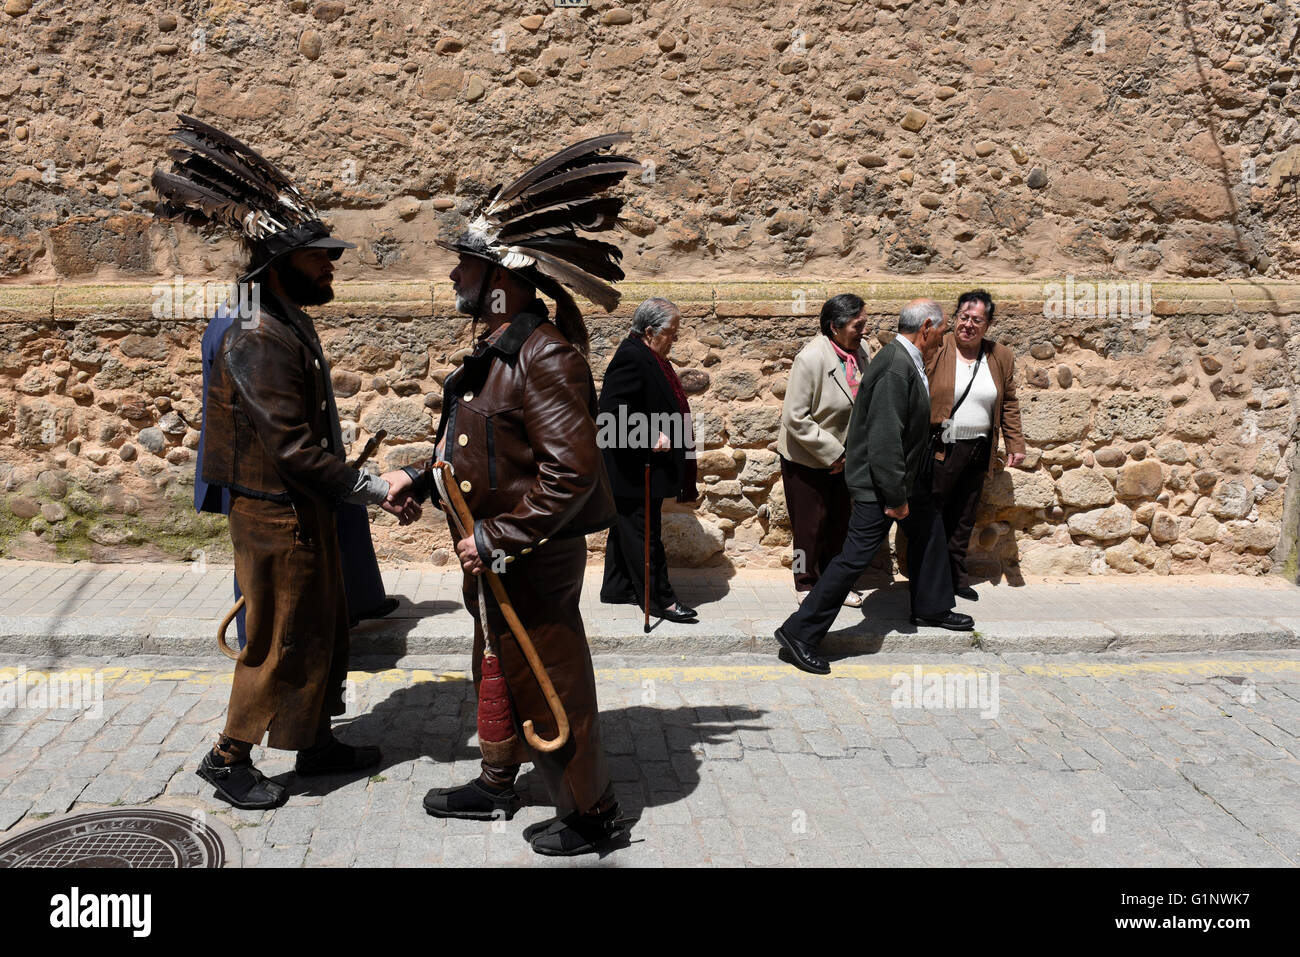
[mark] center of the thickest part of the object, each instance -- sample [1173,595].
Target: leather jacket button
[509,559]
[463,439]
[467,397]
[324,443]
[324,405]
[527,550]
[316,362]
[543,541]
[465,486]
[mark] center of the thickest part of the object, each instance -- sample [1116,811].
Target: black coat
[887,451]
[635,391]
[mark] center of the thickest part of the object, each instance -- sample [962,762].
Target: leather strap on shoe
[231,750]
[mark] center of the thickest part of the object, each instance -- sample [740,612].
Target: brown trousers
[819,507]
[544,588]
[290,676]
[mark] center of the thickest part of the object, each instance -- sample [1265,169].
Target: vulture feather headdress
[216,180]
[532,226]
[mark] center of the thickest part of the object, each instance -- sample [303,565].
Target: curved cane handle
[466,522]
[221,631]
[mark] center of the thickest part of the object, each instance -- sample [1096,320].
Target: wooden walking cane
[646,580]
[464,522]
[368,450]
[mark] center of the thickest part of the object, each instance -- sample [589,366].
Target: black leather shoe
[953,621]
[474,801]
[681,614]
[965,591]
[532,830]
[241,784]
[801,656]
[336,758]
[686,609]
[625,600]
[579,833]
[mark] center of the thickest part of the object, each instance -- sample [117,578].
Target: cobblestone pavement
[1125,760]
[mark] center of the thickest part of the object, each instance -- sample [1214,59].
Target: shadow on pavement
[654,754]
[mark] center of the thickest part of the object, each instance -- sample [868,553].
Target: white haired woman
[642,390]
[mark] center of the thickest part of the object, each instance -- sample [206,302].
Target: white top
[918,361]
[974,419]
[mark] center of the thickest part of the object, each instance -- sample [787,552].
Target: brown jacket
[269,423]
[519,423]
[271,435]
[941,369]
[519,420]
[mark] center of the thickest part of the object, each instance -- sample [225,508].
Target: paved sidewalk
[173,609]
[1113,760]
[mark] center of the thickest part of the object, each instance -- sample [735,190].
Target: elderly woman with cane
[814,422]
[645,435]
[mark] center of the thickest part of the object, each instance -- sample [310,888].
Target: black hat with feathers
[531,228]
[216,180]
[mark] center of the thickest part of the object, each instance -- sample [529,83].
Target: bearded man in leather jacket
[518,427]
[272,437]
[272,442]
[518,440]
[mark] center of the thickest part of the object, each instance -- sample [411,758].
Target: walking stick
[464,523]
[646,580]
[368,450]
[226,650]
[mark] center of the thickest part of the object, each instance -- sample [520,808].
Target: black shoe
[532,830]
[801,656]
[953,621]
[965,591]
[474,801]
[686,609]
[385,607]
[579,833]
[241,784]
[335,758]
[680,614]
[625,600]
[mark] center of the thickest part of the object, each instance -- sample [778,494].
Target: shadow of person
[654,754]
[387,639]
[701,586]
[433,720]
[884,609]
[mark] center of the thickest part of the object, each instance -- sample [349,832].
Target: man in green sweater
[888,465]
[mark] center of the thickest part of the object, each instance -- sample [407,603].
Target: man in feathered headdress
[272,438]
[518,430]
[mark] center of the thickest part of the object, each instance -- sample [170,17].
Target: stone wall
[1158,445]
[838,138]
[792,149]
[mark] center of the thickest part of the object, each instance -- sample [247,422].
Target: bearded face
[307,276]
[468,278]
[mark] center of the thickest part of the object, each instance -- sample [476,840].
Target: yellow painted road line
[714,673]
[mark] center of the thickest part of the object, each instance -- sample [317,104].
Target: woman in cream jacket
[814,420]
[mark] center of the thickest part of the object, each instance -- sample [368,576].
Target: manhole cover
[129,837]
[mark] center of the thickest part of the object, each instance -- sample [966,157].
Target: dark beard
[301,288]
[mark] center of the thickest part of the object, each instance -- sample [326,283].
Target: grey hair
[914,314]
[653,316]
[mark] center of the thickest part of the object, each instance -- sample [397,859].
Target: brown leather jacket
[519,418]
[270,426]
[941,368]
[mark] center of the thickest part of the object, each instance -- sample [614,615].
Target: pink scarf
[851,370]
